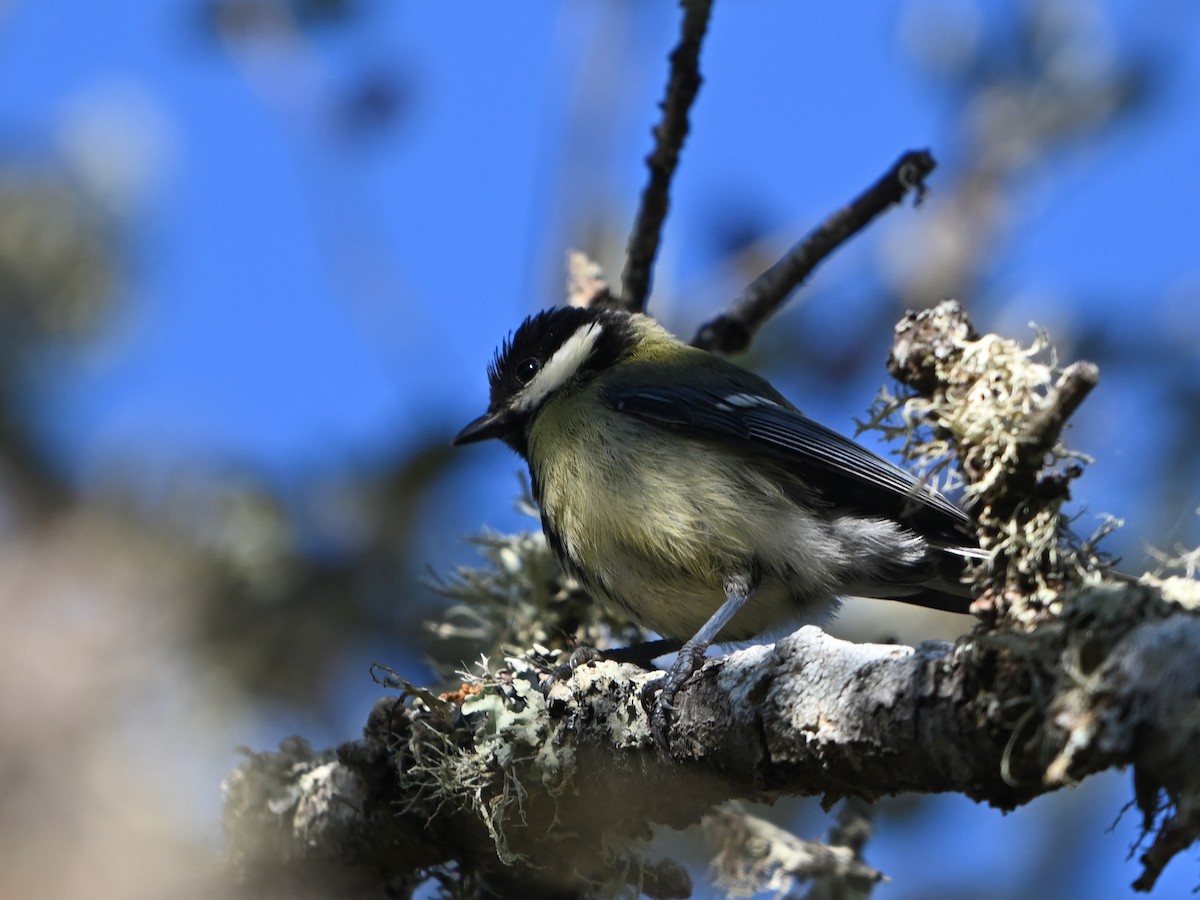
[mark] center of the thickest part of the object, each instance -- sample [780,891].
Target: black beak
[489,425]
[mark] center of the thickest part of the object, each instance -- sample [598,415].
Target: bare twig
[1077,381]
[731,331]
[669,136]
[1176,834]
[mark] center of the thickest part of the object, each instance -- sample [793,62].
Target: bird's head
[555,350]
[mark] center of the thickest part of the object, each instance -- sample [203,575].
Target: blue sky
[300,301]
[260,227]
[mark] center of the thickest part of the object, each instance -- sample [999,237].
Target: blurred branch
[755,855]
[59,284]
[1021,93]
[586,285]
[850,835]
[731,331]
[669,136]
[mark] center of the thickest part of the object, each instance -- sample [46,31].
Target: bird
[688,493]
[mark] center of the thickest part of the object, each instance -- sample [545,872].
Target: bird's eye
[526,369]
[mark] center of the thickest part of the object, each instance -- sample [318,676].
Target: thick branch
[669,136]
[532,778]
[731,331]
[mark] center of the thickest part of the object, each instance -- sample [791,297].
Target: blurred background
[255,255]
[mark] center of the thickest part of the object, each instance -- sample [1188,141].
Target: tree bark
[533,779]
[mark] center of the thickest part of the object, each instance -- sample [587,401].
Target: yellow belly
[657,534]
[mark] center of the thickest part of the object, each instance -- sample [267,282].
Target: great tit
[689,493]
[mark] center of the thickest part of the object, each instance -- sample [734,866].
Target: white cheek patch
[560,368]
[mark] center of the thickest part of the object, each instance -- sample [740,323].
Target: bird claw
[582,655]
[658,698]
[661,708]
[649,692]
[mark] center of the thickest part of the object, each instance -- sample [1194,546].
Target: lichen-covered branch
[550,780]
[996,410]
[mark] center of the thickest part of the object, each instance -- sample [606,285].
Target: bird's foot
[582,655]
[658,696]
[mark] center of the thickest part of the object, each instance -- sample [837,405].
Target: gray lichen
[985,414]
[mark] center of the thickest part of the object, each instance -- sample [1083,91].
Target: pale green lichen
[508,735]
[991,386]
[520,597]
[521,614]
[510,739]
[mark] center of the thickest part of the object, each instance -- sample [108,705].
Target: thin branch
[1077,381]
[731,332]
[669,136]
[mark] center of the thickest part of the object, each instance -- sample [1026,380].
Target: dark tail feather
[943,587]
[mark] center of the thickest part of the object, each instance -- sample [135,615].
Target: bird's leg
[738,590]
